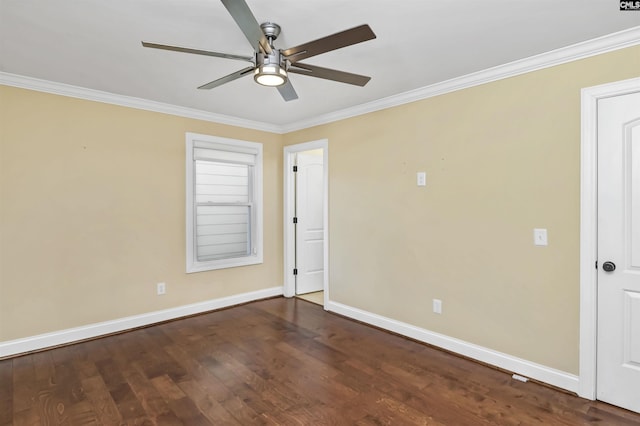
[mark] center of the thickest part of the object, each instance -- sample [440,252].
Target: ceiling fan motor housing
[274,59]
[271,69]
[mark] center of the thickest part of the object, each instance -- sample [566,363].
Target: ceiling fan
[271,66]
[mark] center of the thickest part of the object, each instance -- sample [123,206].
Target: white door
[618,353]
[310,226]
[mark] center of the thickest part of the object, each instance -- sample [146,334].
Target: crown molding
[586,49]
[52,87]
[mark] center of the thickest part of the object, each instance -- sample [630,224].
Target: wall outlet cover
[437,306]
[540,237]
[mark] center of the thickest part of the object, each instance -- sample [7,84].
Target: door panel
[618,353]
[631,329]
[310,226]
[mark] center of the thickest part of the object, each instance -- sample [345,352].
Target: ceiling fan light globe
[270,75]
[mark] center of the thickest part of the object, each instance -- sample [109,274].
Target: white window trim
[193,265]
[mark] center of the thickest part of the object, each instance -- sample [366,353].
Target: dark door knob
[609,266]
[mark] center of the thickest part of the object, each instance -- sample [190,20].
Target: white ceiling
[96,44]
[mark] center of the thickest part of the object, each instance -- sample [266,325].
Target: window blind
[223,202]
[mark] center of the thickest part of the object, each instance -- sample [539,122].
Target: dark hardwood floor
[277,361]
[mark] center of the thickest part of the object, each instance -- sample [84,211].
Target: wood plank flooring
[277,361]
[316,297]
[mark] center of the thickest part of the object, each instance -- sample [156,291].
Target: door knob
[609,266]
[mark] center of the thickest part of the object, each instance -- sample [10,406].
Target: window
[224,203]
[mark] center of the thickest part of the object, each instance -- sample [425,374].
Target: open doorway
[306,221]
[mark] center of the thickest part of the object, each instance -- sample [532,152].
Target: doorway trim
[589,227]
[289,289]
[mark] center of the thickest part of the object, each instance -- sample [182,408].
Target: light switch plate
[422,179]
[540,237]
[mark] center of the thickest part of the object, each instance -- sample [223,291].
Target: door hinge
[295,168]
[295,220]
[596,264]
[295,271]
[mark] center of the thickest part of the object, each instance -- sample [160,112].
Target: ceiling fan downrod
[271,31]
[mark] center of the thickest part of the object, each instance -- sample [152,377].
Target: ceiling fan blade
[197,52]
[287,91]
[329,74]
[243,16]
[329,43]
[226,79]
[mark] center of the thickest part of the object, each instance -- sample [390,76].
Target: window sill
[223,264]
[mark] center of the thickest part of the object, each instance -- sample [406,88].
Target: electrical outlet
[437,306]
[161,288]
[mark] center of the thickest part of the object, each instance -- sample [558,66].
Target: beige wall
[92,213]
[501,159]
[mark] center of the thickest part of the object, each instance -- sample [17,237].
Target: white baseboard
[42,341]
[510,363]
